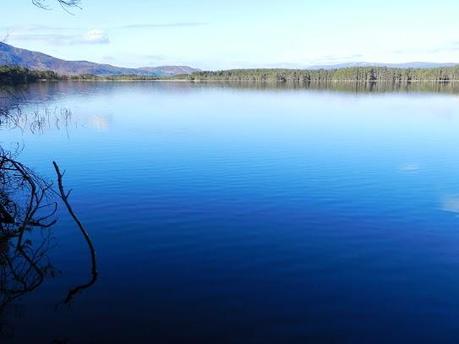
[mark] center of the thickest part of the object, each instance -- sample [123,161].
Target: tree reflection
[13,116]
[26,205]
[22,270]
[25,201]
[28,208]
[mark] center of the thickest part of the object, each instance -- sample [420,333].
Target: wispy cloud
[96,37]
[338,59]
[91,37]
[35,27]
[322,61]
[155,57]
[444,47]
[160,26]
[73,36]
[58,36]
[134,59]
[449,47]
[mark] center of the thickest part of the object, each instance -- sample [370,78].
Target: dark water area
[238,213]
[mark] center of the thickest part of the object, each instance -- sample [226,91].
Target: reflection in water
[40,93]
[342,86]
[98,122]
[409,167]
[38,121]
[23,268]
[28,209]
[13,115]
[27,205]
[450,204]
[25,201]
[92,250]
[23,109]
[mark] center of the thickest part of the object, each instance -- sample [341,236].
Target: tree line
[12,75]
[356,74]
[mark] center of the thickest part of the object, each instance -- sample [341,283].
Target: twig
[65,199]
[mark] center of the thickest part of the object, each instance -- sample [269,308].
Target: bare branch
[65,199]
[65,4]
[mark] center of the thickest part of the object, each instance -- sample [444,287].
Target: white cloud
[96,37]
[159,26]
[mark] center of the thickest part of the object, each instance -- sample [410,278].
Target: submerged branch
[27,203]
[65,199]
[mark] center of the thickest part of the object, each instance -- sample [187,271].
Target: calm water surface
[238,214]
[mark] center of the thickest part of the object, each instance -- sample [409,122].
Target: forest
[355,74]
[12,75]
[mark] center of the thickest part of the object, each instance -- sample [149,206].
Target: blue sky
[231,34]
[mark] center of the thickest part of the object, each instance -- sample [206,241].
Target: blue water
[243,214]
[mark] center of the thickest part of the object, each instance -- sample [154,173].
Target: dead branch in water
[24,201]
[27,203]
[65,199]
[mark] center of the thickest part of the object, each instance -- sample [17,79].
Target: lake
[236,213]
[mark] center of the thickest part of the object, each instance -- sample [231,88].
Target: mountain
[10,55]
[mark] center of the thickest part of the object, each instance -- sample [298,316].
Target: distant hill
[13,56]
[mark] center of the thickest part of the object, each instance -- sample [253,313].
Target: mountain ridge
[13,56]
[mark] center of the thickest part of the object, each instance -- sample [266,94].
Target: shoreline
[257,81]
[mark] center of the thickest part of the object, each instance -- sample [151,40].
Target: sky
[213,34]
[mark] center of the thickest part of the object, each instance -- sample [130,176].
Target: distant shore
[10,75]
